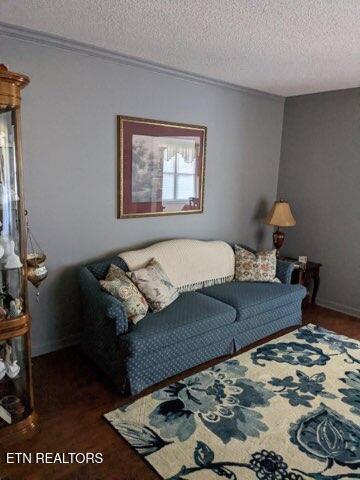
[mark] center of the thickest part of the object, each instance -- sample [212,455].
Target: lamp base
[278,239]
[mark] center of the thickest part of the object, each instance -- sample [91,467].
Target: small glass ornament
[12,260]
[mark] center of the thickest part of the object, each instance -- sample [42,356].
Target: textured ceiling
[285,47]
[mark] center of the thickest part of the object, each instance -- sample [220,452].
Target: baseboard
[54,345]
[322,302]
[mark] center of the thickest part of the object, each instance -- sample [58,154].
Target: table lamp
[280,216]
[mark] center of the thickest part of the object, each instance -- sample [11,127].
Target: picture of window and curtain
[164,169]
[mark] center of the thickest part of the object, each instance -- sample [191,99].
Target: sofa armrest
[284,270]
[99,306]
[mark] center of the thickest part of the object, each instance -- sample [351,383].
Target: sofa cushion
[190,315]
[255,267]
[250,299]
[155,285]
[120,286]
[268,316]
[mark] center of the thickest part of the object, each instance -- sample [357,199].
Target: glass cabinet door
[15,398]
[12,279]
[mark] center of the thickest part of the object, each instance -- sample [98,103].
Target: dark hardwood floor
[71,396]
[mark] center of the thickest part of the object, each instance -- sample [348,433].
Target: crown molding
[47,39]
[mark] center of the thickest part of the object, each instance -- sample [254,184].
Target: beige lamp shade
[280,215]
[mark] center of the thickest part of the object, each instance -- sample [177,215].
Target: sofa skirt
[243,338]
[146,370]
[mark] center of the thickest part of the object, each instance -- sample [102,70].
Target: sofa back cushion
[100,269]
[189,264]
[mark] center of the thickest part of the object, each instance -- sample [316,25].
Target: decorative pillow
[155,285]
[255,267]
[120,286]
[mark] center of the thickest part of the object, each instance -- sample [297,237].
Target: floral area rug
[287,410]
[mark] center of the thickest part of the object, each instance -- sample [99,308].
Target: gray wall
[69,142]
[320,176]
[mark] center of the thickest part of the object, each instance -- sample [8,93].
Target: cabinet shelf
[3,269]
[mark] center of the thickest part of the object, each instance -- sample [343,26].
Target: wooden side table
[307,274]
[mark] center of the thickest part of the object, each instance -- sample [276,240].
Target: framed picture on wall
[161,167]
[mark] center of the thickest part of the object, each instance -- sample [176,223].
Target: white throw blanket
[189,264]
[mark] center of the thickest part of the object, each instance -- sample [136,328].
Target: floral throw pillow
[255,267]
[155,285]
[120,286]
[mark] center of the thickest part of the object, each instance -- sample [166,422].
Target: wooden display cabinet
[17,415]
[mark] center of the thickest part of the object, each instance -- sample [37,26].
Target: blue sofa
[200,325]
